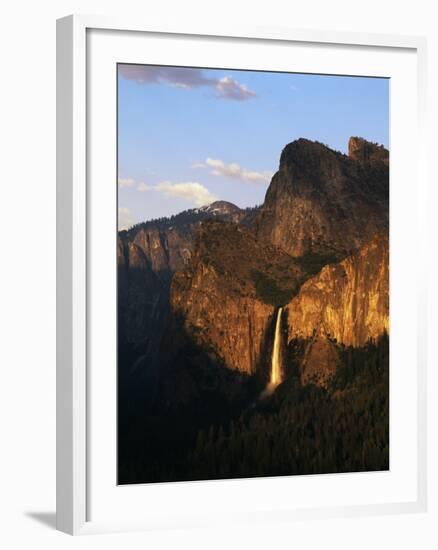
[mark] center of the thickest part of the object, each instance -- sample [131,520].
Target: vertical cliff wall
[348,301]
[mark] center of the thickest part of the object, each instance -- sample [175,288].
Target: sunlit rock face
[365,152]
[232,328]
[226,297]
[347,301]
[323,202]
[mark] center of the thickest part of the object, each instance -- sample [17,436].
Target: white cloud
[234,171]
[187,78]
[125,220]
[228,88]
[125,182]
[144,187]
[193,192]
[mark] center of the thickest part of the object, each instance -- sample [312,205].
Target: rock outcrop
[324,203]
[366,152]
[347,301]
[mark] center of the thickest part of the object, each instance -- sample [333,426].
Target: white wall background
[27,300]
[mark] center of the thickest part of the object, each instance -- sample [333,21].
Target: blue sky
[189,136]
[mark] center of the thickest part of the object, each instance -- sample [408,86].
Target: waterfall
[276,353]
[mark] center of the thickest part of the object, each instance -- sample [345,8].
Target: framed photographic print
[241,320]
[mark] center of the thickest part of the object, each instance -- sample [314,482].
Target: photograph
[253,323]
[229,343]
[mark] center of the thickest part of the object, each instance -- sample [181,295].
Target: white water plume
[276,369]
[276,353]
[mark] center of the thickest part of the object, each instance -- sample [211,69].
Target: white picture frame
[74,218]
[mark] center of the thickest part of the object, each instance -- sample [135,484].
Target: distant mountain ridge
[223,210]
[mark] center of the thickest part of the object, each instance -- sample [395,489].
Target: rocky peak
[309,161]
[224,210]
[324,203]
[362,150]
[222,207]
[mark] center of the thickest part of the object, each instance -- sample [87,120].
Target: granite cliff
[346,303]
[324,204]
